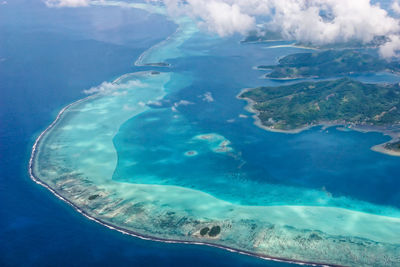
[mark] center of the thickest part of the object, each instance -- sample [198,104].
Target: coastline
[260,41]
[257,121]
[289,78]
[381,149]
[37,180]
[293,45]
[111,226]
[139,61]
[35,150]
[359,128]
[301,46]
[132,233]
[170,241]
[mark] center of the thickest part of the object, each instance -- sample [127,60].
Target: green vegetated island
[293,108]
[266,35]
[327,63]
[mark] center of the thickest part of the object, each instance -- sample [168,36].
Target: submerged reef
[191,153]
[216,142]
[75,159]
[158,64]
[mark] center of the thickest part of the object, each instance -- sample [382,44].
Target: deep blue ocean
[47,57]
[267,168]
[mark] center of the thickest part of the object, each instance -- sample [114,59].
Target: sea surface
[265,168]
[48,56]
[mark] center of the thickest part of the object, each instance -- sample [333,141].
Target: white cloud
[66,3]
[345,20]
[107,87]
[222,18]
[311,21]
[391,48]
[396,6]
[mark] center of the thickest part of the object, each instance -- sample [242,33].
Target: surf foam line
[37,180]
[180,29]
[136,234]
[139,62]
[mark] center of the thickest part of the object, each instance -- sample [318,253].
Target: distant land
[293,108]
[328,63]
[264,35]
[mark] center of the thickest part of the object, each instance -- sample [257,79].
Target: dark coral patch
[215,230]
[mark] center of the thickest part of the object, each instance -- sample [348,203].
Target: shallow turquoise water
[38,228]
[131,157]
[316,167]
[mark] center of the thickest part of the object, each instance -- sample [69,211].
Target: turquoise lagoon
[164,153]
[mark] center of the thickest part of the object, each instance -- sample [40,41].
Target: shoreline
[130,232]
[257,121]
[359,128]
[288,78]
[37,180]
[293,45]
[303,46]
[172,241]
[381,149]
[139,61]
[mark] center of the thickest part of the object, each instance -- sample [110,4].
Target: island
[262,35]
[77,156]
[390,148]
[395,146]
[329,63]
[293,108]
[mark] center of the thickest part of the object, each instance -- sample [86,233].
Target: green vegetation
[395,146]
[158,64]
[342,101]
[328,64]
[93,197]
[264,35]
[204,231]
[377,41]
[215,230]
